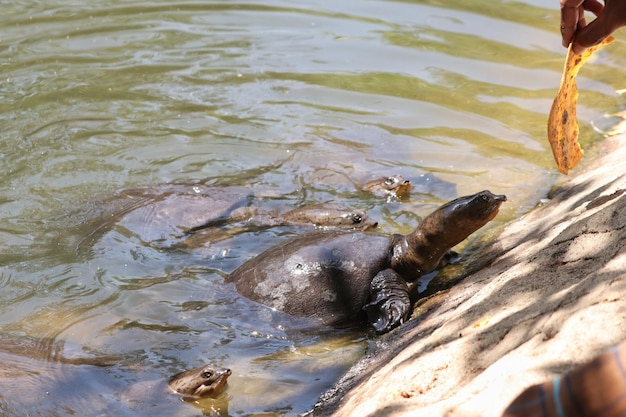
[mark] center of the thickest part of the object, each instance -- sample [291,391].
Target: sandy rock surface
[551,295]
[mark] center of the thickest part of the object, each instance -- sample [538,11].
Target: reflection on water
[304,101]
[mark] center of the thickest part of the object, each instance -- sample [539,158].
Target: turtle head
[358,219]
[465,215]
[206,381]
[421,251]
[394,186]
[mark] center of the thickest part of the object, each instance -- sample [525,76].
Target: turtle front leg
[390,302]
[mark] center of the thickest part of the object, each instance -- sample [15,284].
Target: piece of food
[562,123]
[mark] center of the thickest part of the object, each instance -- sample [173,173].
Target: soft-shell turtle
[165,215]
[336,275]
[203,382]
[395,186]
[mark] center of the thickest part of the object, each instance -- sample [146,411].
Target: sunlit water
[302,102]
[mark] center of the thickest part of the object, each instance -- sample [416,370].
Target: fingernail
[578,49]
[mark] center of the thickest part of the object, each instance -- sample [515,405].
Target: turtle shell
[322,274]
[164,214]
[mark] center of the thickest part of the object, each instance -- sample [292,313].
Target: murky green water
[301,101]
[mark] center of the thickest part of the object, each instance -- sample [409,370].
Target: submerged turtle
[165,215]
[39,366]
[196,383]
[335,276]
[395,186]
[322,216]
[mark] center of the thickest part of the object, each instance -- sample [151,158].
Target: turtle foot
[390,301]
[387,316]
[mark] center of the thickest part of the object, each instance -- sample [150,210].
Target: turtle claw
[448,258]
[387,316]
[390,301]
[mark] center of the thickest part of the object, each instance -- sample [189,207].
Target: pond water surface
[302,101]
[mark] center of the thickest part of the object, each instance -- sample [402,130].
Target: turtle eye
[484,197]
[356,218]
[390,180]
[207,374]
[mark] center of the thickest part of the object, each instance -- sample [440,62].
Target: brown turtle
[394,186]
[165,215]
[336,276]
[202,382]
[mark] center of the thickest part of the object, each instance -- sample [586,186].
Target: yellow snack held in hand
[562,123]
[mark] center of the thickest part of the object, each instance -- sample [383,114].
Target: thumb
[592,34]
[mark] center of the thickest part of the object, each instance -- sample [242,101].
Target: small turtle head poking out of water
[196,383]
[394,186]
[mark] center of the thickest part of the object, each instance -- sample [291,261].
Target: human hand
[610,17]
